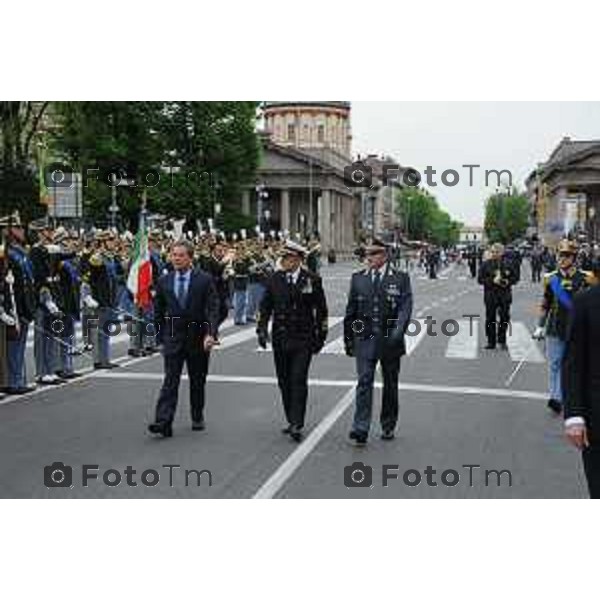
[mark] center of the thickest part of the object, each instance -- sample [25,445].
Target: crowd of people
[52,278]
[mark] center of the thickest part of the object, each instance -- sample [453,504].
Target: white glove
[52,308]
[7,319]
[538,334]
[90,303]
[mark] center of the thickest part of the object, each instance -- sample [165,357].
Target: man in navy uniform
[186,308]
[378,311]
[295,299]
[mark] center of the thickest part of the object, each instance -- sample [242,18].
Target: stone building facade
[300,185]
[564,192]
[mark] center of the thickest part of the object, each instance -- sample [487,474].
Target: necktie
[377,281]
[290,278]
[181,289]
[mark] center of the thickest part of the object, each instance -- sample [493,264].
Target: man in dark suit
[295,299]
[377,314]
[186,316]
[581,382]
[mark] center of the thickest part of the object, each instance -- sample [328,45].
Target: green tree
[506,216]
[109,136]
[194,154]
[20,126]
[423,219]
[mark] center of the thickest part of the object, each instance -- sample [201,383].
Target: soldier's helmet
[567,247]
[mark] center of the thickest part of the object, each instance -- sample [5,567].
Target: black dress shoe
[388,435]
[163,429]
[360,439]
[296,433]
[287,430]
[555,406]
[18,391]
[198,425]
[68,376]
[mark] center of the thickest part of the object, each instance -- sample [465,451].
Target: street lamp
[261,195]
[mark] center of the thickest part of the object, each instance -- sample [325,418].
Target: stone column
[285,210]
[246,202]
[324,219]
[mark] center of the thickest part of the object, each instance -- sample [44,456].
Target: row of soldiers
[53,278]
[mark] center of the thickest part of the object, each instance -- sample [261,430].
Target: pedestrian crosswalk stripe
[465,343]
[521,346]
[335,347]
[412,341]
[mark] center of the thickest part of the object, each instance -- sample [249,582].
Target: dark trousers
[497,319]
[197,368]
[292,363]
[536,273]
[591,466]
[365,366]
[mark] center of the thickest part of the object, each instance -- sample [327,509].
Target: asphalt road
[460,405]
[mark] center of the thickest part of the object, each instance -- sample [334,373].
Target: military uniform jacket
[299,310]
[378,321]
[497,278]
[46,275]
[24,286]
[555,315]
[105,275]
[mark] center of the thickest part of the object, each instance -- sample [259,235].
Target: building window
[321,134]
[291,132]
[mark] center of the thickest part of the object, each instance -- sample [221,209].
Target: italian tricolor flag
[140,272]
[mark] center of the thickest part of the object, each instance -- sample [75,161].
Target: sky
[446,135]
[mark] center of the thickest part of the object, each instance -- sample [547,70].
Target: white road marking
[465,343]
[521,346]
[335,347]
[412,341]
[279,478]
[410,387]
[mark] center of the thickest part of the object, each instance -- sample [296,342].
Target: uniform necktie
[181,289]
[290,279]
[377,281]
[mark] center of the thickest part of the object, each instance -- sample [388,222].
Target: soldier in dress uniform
[105,278]
[560,287]
[49,319]
[7,320]
[497,277]
[22,290]
[215,265]
[69,283]
[241,272]
[378,311]
[295,300]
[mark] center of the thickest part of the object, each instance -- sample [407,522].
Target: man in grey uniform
[377,314]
